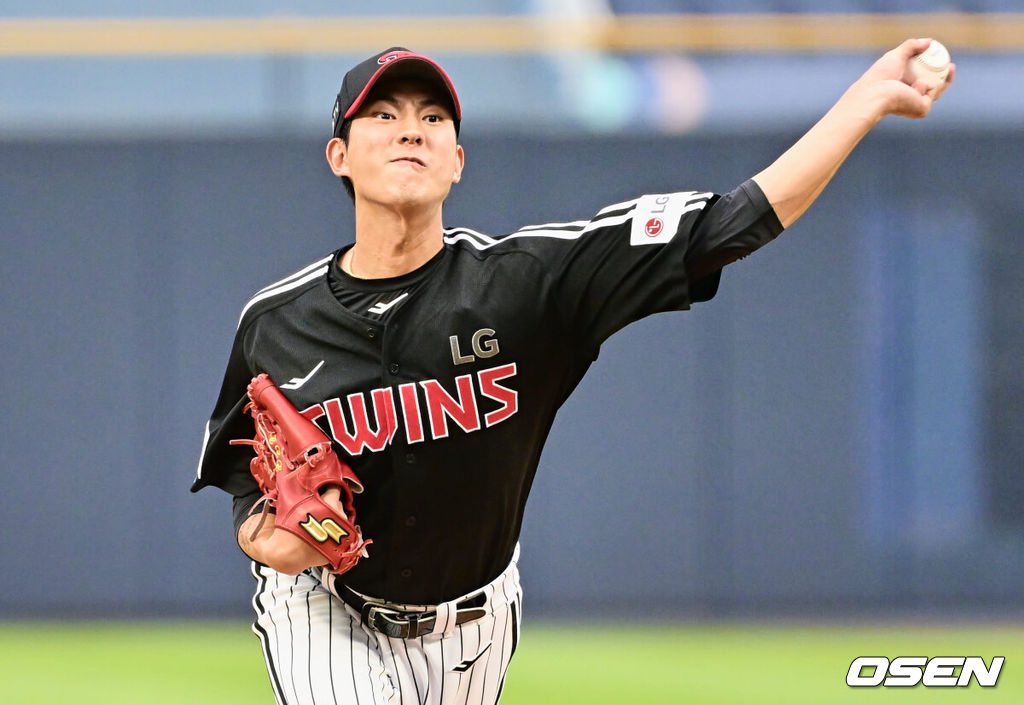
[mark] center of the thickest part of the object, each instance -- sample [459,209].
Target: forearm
[261,540]
[253,530]
[281,550]
[254,542]
[794,180]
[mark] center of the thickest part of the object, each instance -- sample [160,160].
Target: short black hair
[346,126]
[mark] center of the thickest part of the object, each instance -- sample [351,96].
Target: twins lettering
[477,401]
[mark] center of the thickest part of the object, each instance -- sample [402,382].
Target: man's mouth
[409,160]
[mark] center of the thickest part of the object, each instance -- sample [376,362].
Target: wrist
[287,553]
[868,102]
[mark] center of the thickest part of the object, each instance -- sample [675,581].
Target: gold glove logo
[276,448]
[323,530]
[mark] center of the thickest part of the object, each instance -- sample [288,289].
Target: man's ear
[337,152]
[457,176]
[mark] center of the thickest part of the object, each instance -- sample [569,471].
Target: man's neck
[391,242]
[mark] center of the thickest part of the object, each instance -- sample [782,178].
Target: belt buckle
[371,609]
[391,622]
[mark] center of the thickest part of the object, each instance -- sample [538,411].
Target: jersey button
[410,521]
[393,368]
[410,458]
[371,333]
[406,572]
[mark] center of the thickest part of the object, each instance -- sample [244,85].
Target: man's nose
[411,131]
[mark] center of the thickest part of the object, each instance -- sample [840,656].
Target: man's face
[402,149]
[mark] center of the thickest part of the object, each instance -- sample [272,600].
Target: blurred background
[837,433]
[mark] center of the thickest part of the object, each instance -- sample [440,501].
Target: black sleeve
[660,252]
[730,228]
[221,464]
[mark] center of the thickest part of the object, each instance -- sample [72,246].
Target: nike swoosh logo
[381,308]
[296,382]
[465,665]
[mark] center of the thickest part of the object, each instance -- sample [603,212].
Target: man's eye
[383,115]
[434,118]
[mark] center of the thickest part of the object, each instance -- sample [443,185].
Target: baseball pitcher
[384,409]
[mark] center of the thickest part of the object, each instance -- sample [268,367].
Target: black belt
[403,624]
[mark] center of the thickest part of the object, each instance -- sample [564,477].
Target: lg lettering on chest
[426,409]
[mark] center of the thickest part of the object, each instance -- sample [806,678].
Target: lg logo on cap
[387,57]
[653,227]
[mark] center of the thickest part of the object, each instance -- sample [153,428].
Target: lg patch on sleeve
[656,217]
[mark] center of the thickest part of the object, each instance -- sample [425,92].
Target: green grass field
[153,663]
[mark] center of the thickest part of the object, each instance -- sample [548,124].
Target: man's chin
[410,196]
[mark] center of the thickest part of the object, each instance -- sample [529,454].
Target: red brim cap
[397,60]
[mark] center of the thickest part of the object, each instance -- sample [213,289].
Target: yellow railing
[989,32]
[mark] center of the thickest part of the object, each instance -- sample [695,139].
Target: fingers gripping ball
[931,65]
[294,464]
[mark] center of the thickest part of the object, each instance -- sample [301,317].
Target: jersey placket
[404,460]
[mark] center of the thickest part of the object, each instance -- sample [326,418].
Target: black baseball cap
[394,61]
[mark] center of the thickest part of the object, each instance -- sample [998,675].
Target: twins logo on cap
[360,80]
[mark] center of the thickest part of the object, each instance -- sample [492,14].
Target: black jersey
[441,405]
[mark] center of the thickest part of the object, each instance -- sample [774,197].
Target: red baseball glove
[293,462]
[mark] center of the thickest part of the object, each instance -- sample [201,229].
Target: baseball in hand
[932,65]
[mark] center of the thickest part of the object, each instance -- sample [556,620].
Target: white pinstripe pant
[318,652]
